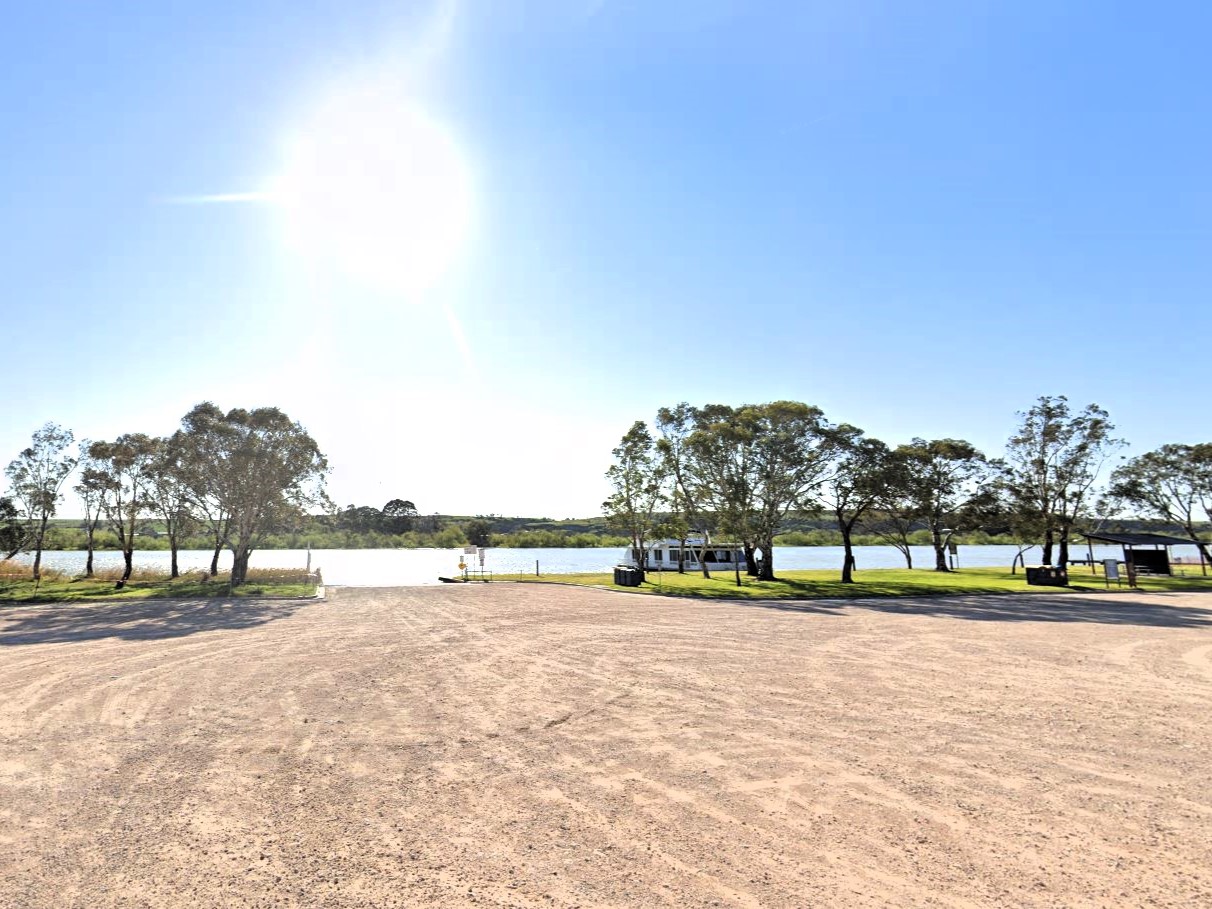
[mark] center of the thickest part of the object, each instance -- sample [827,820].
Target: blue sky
[918,216]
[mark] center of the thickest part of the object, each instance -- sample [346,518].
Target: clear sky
[466,244]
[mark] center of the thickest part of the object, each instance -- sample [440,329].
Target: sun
[375,187]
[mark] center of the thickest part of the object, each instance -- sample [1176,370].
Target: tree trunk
[1205,552]
[1047,557]
[128,558]
[766,573]
[88,563]
[703,560]
[214,559]
[940,551]
[1062,559]
[908,557]
[174,573]
[239,565]
[848,557]
[38,548]
[1018,559]
[750,561]
[682,557]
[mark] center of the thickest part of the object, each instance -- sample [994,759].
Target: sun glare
[378,189]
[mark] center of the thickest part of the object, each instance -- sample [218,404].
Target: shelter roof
[1138,539]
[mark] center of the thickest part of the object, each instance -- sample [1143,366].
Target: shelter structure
[1144,553]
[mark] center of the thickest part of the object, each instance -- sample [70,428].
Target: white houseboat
[663,556]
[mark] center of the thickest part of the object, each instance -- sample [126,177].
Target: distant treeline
[516,533]
[321,532]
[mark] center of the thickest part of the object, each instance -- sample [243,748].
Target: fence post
[536,568]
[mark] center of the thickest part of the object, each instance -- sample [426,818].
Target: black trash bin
[626,576]
[1047,576]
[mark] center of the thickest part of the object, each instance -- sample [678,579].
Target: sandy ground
[518,745]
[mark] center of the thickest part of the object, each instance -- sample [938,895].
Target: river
[413,567]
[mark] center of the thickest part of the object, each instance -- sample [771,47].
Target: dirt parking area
[542,746]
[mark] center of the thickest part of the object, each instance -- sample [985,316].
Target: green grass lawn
[883,582]
[190,586]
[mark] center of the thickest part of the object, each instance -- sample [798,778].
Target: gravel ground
[526,745]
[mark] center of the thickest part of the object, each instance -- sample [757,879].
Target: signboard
[469,550]
[953,547]
[1111,569]
[480,552]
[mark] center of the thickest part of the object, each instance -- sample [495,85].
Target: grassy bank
[55,587]
[890,582]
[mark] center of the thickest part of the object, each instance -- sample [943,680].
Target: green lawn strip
[883,582]
[81,590]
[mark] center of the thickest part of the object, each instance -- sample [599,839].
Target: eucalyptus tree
[793,452]
[398,516]
[896,512]
[1172,483]
[169,495]
[945,482]
[638,478]
[35,478]
[859,475]
[122,472]
[1052,461]
[203,441]
[722,452]
[257,471]
[688,497]
[761,461]
[89,490]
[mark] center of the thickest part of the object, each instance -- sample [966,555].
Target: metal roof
[1138,539]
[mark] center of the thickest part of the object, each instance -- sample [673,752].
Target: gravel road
[547,746]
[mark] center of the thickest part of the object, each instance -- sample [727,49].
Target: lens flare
[375,187]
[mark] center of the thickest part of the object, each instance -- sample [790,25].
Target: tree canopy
[1173,483]
[252,471]
[122,472]
[35,477]
[860,472]
[637,476]
[1052,462]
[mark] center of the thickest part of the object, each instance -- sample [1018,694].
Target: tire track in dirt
[526,746]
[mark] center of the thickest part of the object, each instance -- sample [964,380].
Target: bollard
[536,568]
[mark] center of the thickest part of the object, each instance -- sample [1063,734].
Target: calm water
[411,567]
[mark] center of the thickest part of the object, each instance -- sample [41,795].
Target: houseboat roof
[691,541]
